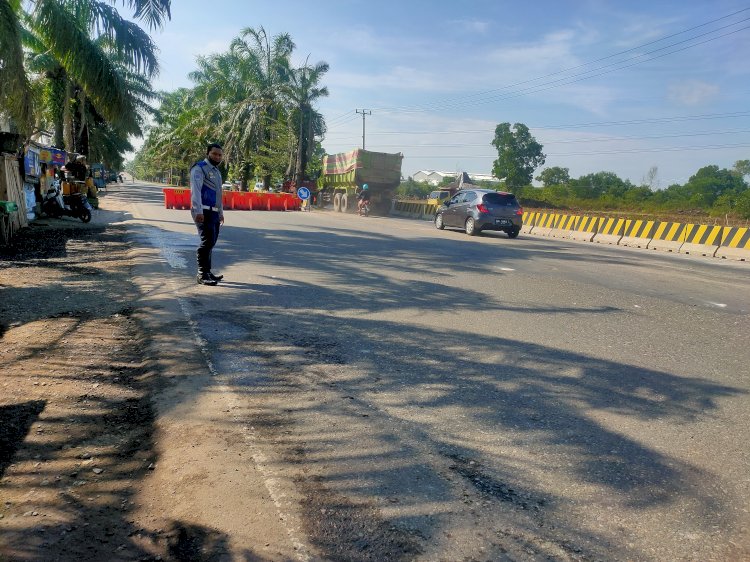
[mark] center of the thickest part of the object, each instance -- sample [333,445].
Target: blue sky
[438,76]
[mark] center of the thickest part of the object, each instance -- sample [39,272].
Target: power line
[564,70]
[570,79]
[592,153]
[575,141]
[463,100]
[658,120]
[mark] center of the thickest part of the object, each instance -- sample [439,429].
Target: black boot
[215,277]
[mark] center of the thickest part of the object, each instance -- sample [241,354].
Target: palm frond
[132,44]
[85,62]
[153,12]
[15,90]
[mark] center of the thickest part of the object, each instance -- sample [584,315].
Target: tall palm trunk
[58,80]
[310,145]
[299,170]
[68,117]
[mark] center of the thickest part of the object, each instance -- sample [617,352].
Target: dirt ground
[75,401]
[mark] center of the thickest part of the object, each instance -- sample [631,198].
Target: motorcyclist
[363,197]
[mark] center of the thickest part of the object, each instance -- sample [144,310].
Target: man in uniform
[206,209]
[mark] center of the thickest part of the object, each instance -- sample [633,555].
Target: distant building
[433,177]
[484,177]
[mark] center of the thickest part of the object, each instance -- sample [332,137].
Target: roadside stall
[40,164]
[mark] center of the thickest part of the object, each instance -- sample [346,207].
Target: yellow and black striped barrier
[701,239]
[545,223]
[638,233]
[610,231]
[585,229]
[686,238]
[735,243]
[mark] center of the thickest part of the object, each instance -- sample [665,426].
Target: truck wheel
[337,202]
[344,203]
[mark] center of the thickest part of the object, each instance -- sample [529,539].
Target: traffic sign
[303,193]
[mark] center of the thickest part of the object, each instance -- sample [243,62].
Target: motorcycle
[55,204]
[364,208]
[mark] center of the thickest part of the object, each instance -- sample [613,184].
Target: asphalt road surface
[410,393]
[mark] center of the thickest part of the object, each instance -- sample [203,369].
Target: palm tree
[303,91]
[14,84]
[87,44]
[250,98]
[265,70]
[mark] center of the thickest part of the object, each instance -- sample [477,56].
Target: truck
[344,174]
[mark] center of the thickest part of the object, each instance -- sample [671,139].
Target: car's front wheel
[439,224]
[471,227]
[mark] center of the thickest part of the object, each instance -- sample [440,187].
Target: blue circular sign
[303,193]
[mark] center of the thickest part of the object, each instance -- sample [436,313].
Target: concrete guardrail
[686,238]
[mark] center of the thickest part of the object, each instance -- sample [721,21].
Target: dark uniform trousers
[208,231]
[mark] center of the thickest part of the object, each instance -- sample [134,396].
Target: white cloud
[692,92]
[398,78]
[552,53]
[470,25]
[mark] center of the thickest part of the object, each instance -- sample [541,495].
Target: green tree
[519,154]
[711,182]
[742,204]
[742,168]
[83,47]
[303,91]
[15,90]
[554,175]
[414,189]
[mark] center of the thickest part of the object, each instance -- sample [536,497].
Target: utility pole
[363,112]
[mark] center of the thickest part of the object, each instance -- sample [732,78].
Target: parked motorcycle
[55,204]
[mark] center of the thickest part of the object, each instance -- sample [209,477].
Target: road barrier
[528,222]
[175,198]
[610,231]
[686,238]
[668,236]
[586,229]
[241,201]
[701,239]
[545,224]
[735,243]
[227,199]
[638,233]
[414,210]
[564,225]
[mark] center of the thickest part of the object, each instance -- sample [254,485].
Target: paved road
[416,393]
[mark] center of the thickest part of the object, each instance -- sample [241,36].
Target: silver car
[475,210]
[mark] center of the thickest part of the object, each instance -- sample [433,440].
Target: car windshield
[502,199]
